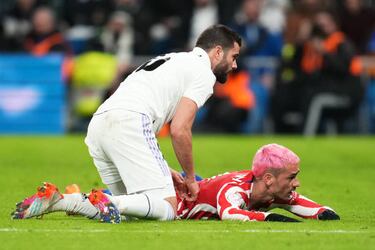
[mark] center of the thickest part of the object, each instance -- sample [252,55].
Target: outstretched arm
[232,206]
[306,208]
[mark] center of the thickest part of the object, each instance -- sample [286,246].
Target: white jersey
[156,87]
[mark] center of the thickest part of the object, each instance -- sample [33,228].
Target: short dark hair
[218,34]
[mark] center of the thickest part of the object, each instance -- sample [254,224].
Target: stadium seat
[318,104]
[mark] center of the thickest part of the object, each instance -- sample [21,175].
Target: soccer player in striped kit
[248,195]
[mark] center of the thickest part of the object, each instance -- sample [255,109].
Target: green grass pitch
[335,171]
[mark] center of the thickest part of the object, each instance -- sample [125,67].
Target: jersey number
[153,64]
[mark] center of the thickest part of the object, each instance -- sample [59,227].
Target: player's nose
[234,65]
[296,183]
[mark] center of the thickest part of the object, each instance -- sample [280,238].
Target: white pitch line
[339,231]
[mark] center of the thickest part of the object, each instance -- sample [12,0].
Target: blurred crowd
[298,55]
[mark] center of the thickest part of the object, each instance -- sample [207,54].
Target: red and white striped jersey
[227,197]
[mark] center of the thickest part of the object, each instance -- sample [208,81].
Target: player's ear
[268,179]
[219,52]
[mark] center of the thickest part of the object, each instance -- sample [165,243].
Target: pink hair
[273,156]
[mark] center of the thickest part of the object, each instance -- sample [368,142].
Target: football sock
[143,206]
[76,204]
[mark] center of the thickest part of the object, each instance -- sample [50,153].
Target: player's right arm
[231,200]
[181,135]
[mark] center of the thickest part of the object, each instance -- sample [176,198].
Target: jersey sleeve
[200,82]
[231,201]
[301,206]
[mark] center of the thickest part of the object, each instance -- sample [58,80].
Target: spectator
[285,108]
[357,22]
[259,42]
[273,15]
[129,6]
[44,36]
[17,24]
[87,12]
[83,19]
[326,66]
[227,10]
[227,109]
[204,14]
[161,26]
[299,18]
[117,38]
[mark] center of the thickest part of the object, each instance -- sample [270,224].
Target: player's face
[227,64]
[286,182]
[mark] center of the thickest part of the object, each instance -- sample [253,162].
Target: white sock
[143,206]
[76,204]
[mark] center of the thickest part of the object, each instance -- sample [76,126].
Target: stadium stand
[133,31]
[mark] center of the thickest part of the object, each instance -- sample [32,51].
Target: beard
[221,77]
[220,72]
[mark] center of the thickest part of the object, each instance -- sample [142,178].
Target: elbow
[175,132]
[179,131]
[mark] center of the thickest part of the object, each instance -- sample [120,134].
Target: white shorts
[124,148]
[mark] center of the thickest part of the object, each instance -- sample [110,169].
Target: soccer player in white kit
[121,135]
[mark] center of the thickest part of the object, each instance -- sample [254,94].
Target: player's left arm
[306,208]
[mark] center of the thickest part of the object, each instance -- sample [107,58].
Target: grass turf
[337,172]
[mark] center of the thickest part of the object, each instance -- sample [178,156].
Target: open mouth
[290,194]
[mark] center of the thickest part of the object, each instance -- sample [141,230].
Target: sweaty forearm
[182,145]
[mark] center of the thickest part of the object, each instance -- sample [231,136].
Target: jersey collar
[201,53]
